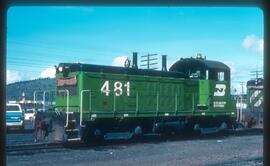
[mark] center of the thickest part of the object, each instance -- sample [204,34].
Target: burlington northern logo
[220,90]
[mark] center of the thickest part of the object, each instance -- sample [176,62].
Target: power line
[77,50]
[53,57]
[256,73]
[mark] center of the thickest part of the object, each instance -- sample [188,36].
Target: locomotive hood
[65,68]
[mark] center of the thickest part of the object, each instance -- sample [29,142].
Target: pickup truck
[14,116]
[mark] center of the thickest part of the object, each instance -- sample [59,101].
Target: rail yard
[100,115]
[135,85]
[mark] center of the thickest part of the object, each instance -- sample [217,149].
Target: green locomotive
[252,116]
[93,100]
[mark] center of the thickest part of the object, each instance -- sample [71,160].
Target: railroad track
[41,146]
[37,147]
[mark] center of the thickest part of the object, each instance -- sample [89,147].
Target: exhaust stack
[134,60]
[164,63]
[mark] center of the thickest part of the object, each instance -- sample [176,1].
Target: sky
[40,37]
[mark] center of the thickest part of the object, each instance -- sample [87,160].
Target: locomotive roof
[73,67]
[198,63]
[255,82]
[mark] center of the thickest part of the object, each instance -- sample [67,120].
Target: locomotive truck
[94,100]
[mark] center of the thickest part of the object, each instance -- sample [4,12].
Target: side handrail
[44,99]
[35,98]
[67,92]
[81,107]
[193,102]
[137,103]
[114,105]
[176,104]
[157,106]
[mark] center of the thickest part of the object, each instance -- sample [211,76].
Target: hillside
[14,90]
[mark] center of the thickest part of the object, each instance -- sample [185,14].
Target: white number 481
[118,90]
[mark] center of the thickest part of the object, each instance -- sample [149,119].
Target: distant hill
[15,90]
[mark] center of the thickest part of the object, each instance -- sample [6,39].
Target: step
[209,130]
[74,139]
[73,120]
[118,135]
[71,130]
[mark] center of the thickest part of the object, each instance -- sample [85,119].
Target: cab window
[220,76]
[196,74]
[206,74]
[12,108]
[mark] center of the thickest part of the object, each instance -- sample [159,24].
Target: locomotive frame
[93,100]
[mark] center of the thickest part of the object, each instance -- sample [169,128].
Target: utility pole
[150,60]
[242,85]
[241,102]
[257,73]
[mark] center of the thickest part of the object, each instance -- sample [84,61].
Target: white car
[29,114]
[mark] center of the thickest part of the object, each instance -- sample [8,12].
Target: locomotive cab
[210,82]
[213,82]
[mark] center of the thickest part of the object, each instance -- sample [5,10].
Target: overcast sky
[40,37]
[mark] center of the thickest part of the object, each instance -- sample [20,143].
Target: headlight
[60,68]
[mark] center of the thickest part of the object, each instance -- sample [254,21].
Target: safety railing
[54,91]
[43,100]
[81,105]
[174,104]
[67,107]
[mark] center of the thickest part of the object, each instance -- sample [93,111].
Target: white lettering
[105,88]
[219,104]
[127,86]
[118,90]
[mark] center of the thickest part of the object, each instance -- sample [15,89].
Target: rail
[81,105]
[137,103]
[43,101]
[114,105]
[176,104]
[67,92]
[34,147]
[35,98]
[157,109]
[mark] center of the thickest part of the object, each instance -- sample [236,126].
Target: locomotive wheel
[93,137]
[196,129]
[137,133]
[189,127]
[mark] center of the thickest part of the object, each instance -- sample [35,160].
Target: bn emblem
[220,90]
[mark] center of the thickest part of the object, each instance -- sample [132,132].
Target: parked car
[29,114]
[14,116]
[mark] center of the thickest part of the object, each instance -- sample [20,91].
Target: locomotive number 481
[118,88]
